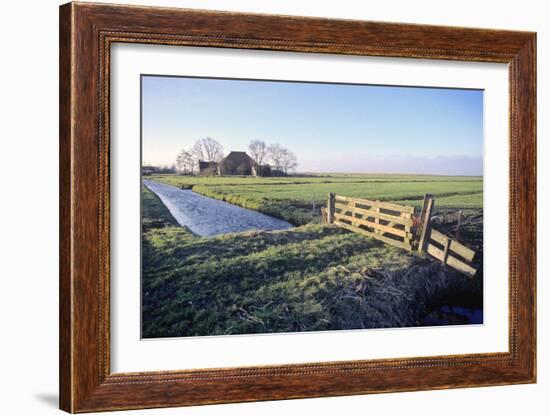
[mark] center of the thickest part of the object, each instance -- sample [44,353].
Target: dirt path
[206,216]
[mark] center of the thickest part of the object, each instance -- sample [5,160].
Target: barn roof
[238,158]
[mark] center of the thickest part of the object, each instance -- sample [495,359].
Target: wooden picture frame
[86,33]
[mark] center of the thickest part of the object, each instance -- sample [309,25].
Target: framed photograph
[259,207]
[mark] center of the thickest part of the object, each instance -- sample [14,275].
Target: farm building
[208,168]
[235,163]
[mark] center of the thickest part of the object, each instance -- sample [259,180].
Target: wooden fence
[440,246]
[387,222]
[450,252]
[397,225]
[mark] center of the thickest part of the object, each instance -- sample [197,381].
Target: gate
[397,225]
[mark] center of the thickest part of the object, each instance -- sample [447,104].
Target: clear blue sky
[330,127]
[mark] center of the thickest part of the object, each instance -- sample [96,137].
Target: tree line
[210,150]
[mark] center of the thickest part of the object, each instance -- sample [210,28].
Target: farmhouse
[235,163]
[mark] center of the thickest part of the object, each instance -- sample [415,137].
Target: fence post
[424,225]
[422,213]
[330,208]
[458,224]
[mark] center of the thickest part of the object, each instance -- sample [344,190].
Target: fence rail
[376,203]
[397,225]
[451,252]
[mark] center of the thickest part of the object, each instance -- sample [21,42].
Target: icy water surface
[207,217]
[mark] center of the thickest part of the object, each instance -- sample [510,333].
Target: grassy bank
[298,199]
[309,278]
[154,213]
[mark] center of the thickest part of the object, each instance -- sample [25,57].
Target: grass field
[313,277]
[298,199]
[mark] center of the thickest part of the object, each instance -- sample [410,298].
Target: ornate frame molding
[86,33]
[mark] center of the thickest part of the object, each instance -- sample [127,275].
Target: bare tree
[275,152]
[207,149]
[185,162]
[198,151]
[288,161]
[258,151]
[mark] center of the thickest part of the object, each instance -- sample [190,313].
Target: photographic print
[273,206]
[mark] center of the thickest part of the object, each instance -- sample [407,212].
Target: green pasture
[312,277]
[298,199]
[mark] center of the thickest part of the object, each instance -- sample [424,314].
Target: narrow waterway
[206,216]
